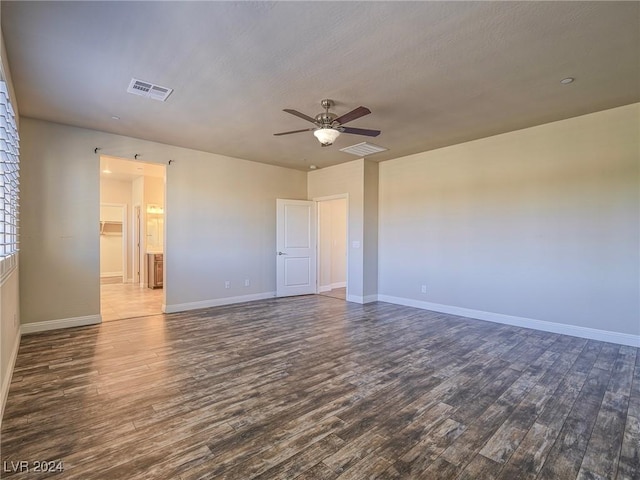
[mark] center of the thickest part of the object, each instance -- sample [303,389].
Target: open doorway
[131,238]
[332,246]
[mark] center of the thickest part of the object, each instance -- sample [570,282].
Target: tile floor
[340,293]
[126,300]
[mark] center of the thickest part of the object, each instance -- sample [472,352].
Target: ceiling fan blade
[301,115]
[353,114]
[294,131]
[361,131]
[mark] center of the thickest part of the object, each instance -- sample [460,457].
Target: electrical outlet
[247,282]
[423,289]
[227,284]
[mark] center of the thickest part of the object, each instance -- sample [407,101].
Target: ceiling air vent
[363,149]
[149,90]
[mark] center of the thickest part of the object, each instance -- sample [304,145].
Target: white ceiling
[432,73]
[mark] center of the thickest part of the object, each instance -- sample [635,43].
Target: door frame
[139,202]
[136,245]
[328,198]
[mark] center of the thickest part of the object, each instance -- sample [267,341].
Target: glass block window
[9,181]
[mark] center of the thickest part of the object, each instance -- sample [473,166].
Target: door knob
[281,253]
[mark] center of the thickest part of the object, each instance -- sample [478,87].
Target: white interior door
[296,247]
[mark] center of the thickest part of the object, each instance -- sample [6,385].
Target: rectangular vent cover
[363,149]
[149,90]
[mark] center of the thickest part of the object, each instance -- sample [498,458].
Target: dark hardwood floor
[316,388]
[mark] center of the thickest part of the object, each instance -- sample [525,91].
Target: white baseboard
[332,286]
[4,393]
[60,323]
[216,302]
[110,274]
[561,328]
[362,300]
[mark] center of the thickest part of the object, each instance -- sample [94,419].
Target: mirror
[155,229]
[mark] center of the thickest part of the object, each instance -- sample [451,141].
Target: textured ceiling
[432,73]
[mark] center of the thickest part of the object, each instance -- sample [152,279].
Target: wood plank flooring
[317,388]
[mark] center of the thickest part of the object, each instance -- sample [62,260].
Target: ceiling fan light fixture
[326,136]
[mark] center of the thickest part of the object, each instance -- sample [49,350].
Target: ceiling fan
[328,126]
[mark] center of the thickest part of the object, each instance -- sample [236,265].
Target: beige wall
[332,248]
[220,216]
[359,180]
[370,244]
[154,191]
[59,265]
[221,226]
[9,332]
[346,178]
[324,246]
[338,241]
[9,294]
[115,191]
[541,223]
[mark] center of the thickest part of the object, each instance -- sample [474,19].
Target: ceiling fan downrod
[326,119]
